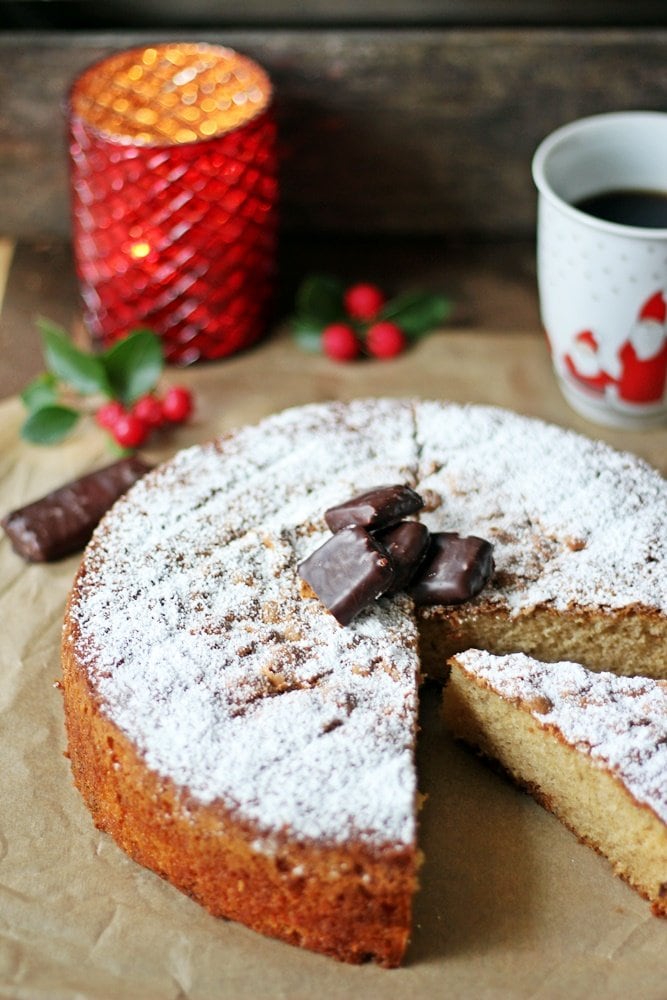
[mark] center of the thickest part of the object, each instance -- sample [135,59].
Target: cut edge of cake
[589,747]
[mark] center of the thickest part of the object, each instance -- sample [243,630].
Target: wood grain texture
[490,351]
[39,282]
[492,287]
[279,13]
[6,255]
[385,131]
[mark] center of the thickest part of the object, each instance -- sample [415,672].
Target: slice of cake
[590,747]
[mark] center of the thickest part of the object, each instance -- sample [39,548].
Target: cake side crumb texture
[621,722]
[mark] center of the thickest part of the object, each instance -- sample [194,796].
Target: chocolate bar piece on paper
[62,522]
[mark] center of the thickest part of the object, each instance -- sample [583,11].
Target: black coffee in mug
[647,209]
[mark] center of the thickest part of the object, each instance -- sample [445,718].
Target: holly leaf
[319,299]
[83,372]
[416,313]
[42,391]
[307,335]
[49,424]
[133,365]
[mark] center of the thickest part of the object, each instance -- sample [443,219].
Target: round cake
[231,735]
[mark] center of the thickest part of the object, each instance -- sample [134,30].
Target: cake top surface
[190,621]
[201,648]
[573,522]
[620,721]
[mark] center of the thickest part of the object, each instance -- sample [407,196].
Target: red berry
[364,301]
[129,431]
[340,342]
[177,404]
[108,414]
[149,410]
[385,340]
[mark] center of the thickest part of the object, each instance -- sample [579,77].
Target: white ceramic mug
[603,285]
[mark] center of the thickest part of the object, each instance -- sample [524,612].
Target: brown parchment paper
[511,905]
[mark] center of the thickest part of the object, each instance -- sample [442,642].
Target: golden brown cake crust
[352,903]
[186,622]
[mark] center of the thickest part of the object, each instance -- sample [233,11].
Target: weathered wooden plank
[492,287]
[39,282]
[399,131]
[489,352]
[229,13]
[6,255]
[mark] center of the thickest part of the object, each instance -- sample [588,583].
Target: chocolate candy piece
[455,569]
[348,572]
[63,521]
[407,543]
[377,508]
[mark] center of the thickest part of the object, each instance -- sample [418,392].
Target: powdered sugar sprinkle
[201,648]
[620,721]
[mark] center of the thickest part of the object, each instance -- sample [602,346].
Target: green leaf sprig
[75,380]
[320,301]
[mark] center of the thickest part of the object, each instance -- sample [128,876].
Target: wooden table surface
[491,351]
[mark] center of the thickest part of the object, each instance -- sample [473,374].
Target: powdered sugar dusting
[620,721]
[573,522]
[202,649]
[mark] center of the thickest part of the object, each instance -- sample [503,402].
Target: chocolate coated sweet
[63,521]
[455,569]
[375,509]
[348,572]
[407,544]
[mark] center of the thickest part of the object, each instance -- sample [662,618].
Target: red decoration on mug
[644,355]
[642,358]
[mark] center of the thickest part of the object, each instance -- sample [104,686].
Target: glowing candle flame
[140,250]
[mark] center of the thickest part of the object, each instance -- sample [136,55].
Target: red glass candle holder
[173,170]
